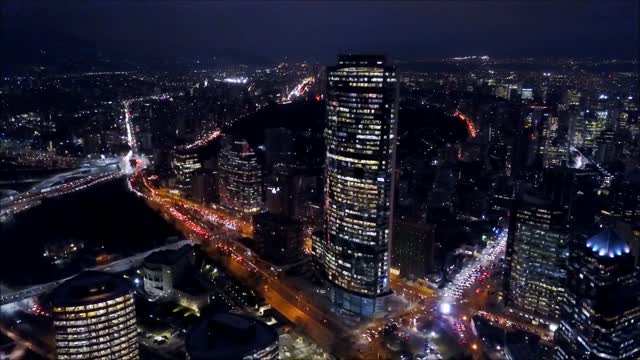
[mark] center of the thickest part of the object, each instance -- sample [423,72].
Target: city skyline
[320,180]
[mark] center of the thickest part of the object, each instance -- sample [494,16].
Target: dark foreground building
[362,115]
[94,318]
[600,315]
[231,336]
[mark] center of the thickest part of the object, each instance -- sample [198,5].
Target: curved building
[231,336]
[240,180]
[94,318]
[362,115]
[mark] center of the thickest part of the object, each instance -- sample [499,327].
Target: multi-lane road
[90,174]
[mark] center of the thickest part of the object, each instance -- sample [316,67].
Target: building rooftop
[362,59]
[166,257]
[228,336]
[89,287]
[608,243]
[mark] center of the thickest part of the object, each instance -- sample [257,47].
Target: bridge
[113,267]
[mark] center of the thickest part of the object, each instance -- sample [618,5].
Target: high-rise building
[278,238]
[554,146]
[231,336]
[185,165]
[280,192]
[600,315]
[362,115]
[239,177]
[278,144]
[536,253]
[318,252]
[413,248]
[94,317]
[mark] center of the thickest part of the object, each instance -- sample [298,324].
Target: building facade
[168,275]
[239,178]
[94,318]
[413,248]
[600,316]
[185,165]
[278,239]
[360,135]
[536,253]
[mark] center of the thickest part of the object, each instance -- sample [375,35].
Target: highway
[299,89]
[471,127]
[220,234]
[220,230]
[58,185]
[452,307]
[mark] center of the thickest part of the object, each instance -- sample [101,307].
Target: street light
[445,308]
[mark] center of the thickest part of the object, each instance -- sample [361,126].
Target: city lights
[445,308]
[222,189]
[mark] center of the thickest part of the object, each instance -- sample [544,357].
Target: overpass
[113,267]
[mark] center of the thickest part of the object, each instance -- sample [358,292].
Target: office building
[536,253]
[362,115]
[278,144]
[600,315]
[318,253]
[278,239]
[94,317]
[413,247]
[239,178]
[169,275]
[281,192]
[185,165]
[231,336]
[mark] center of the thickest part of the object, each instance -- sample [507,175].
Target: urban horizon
[322,180]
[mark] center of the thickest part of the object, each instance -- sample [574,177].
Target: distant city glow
[237,80]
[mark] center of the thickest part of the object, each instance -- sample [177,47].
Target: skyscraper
[536,252]
[185,165]
[600,315]
[240,177]
[362,115]
[94,318]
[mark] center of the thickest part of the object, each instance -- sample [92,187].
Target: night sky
[318,30]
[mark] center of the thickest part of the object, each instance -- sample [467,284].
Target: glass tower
[185,165]
[360,134]
[600,316]
[536,253]
[240,181]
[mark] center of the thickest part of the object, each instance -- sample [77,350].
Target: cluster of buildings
[551,157]
[94,317]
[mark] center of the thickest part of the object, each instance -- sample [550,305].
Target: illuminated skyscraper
[536,253]
[600,315]
[94,318]
[362,115]
[240,182]
[185,165]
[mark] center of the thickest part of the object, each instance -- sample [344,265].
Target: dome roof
[608,243]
